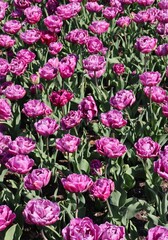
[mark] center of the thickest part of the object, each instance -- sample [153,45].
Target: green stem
[42,233]
[164,206]
[76,132]
[147,172]
[47,146]
[125,37]
[69,164]
[63,111]
[145,62]
[106,170]
[77,202]
[109,208]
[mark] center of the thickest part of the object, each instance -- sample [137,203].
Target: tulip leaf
[13,233]
[84,165]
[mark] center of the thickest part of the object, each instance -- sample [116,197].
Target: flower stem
[47,146]
[77,202]
[109,208]
[42,233]
[69,164]
[106,170]
[145,62]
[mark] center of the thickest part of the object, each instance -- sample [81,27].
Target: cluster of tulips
[68,90]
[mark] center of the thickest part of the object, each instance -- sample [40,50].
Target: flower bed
[83,120]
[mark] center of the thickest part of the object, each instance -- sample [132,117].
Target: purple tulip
[55,48]
[21,164]
[41,212]
[118,68]
[157,94]
[18,66]
[94,45]
[158,232]
[5,140]
[34,89]
[67,65]
[153,12]
[68,143]
[47,37]
[96,74]
[33,14]
[3,7]
[37,179]
[93,7]
[72,119]
[109,231]
[67,11]
[21,145]
[5,109]
[99,27]
[46,126]
[77,183]
[6,216]
[116,3]
[77,36]
[162,50]
[26,55]
[122,99]
[4,67]
[123,21]
[110,147]
[146,44]
[81,228]
[31,36]
[94,63]
[161,167]
[51,6]
[12,26]
[6,41]
[165,107]
[88,108]
[147,148]
[162,28]
[163,4]
[113,119]
[61,97]
[150,78]
[96,167]
[141,17]
[50,69]
[162,16]
[102,188]
[14,92]
[22,4]
[34,79]
[53,23]
[110,12]
[35,108]
[145,3]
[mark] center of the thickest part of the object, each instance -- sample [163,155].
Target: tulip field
[83,120]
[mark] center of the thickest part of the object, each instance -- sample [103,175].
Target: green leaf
[115,198]
[84,165]
[113,60]
[67,210]
[153,218]
[2,175]
[13,233]
[129,181]
[53,230]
